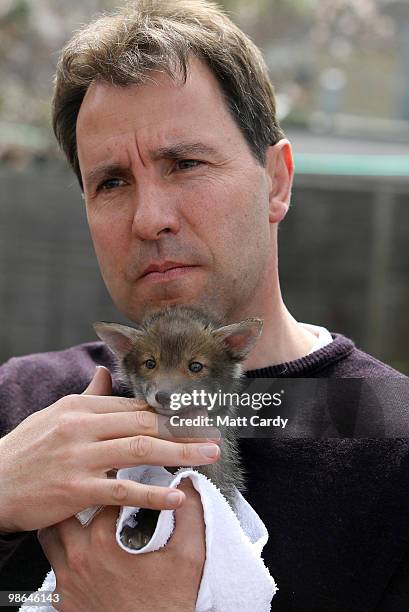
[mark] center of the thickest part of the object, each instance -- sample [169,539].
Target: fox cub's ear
[121,339]
[241,337]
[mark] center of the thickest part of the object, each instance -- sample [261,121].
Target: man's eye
[109,184]
[186,164]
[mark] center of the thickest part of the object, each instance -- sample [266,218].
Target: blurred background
[341,74]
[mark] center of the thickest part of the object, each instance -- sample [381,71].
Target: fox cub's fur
[179,350]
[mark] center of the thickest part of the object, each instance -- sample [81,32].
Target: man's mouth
[167,270]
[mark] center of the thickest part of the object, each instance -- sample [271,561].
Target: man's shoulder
[352,362]
[32,382]
[73,364]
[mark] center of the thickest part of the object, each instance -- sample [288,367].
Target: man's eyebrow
[183,148]
[175,151]
[103,171]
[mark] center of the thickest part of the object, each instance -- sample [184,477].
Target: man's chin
[138,304]
[139,311]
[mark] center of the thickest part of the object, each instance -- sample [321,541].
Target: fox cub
[180,350]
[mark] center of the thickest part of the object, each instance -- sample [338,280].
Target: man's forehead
[109,110]
[159,121]
[161,95]
[152,142]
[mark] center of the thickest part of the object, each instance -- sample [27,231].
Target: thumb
[101,382]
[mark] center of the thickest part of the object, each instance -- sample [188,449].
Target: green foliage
[18,13]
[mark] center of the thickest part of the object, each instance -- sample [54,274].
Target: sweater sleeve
[9,542]
[33,382]
[23,564]
[396,594]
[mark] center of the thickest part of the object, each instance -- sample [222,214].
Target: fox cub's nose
[163,398]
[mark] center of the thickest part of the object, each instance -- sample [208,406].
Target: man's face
[170,182]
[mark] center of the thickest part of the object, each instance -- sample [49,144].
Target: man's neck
[283,340]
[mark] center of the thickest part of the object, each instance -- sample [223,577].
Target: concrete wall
[343,262]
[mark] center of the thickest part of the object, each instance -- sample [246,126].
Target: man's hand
[55,463]
[94,573]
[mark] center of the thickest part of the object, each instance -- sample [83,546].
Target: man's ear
[280,169]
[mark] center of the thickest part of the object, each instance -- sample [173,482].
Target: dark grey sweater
[337,510]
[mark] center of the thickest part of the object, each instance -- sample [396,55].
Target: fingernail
[210,451]
[174,498]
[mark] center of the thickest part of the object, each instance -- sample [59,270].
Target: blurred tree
[341,26]
[31,32]
[292,33]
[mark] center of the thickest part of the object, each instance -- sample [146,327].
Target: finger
[142,422]
[51,544]
[107,517]
[101,404]
[190,526]
[101,382]
[72,534]
[139,450]
[128,493]
[103,527]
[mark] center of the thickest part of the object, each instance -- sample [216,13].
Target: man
[166,115]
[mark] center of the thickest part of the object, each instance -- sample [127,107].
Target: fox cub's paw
[137,537]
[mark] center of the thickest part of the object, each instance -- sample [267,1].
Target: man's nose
[156,213]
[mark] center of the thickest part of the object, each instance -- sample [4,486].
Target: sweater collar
[306,366]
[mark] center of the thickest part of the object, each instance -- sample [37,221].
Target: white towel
[234,575]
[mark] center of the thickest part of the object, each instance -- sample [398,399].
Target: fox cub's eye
[150,364]
[195,366]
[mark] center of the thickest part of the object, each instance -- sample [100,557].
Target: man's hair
[123,47]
